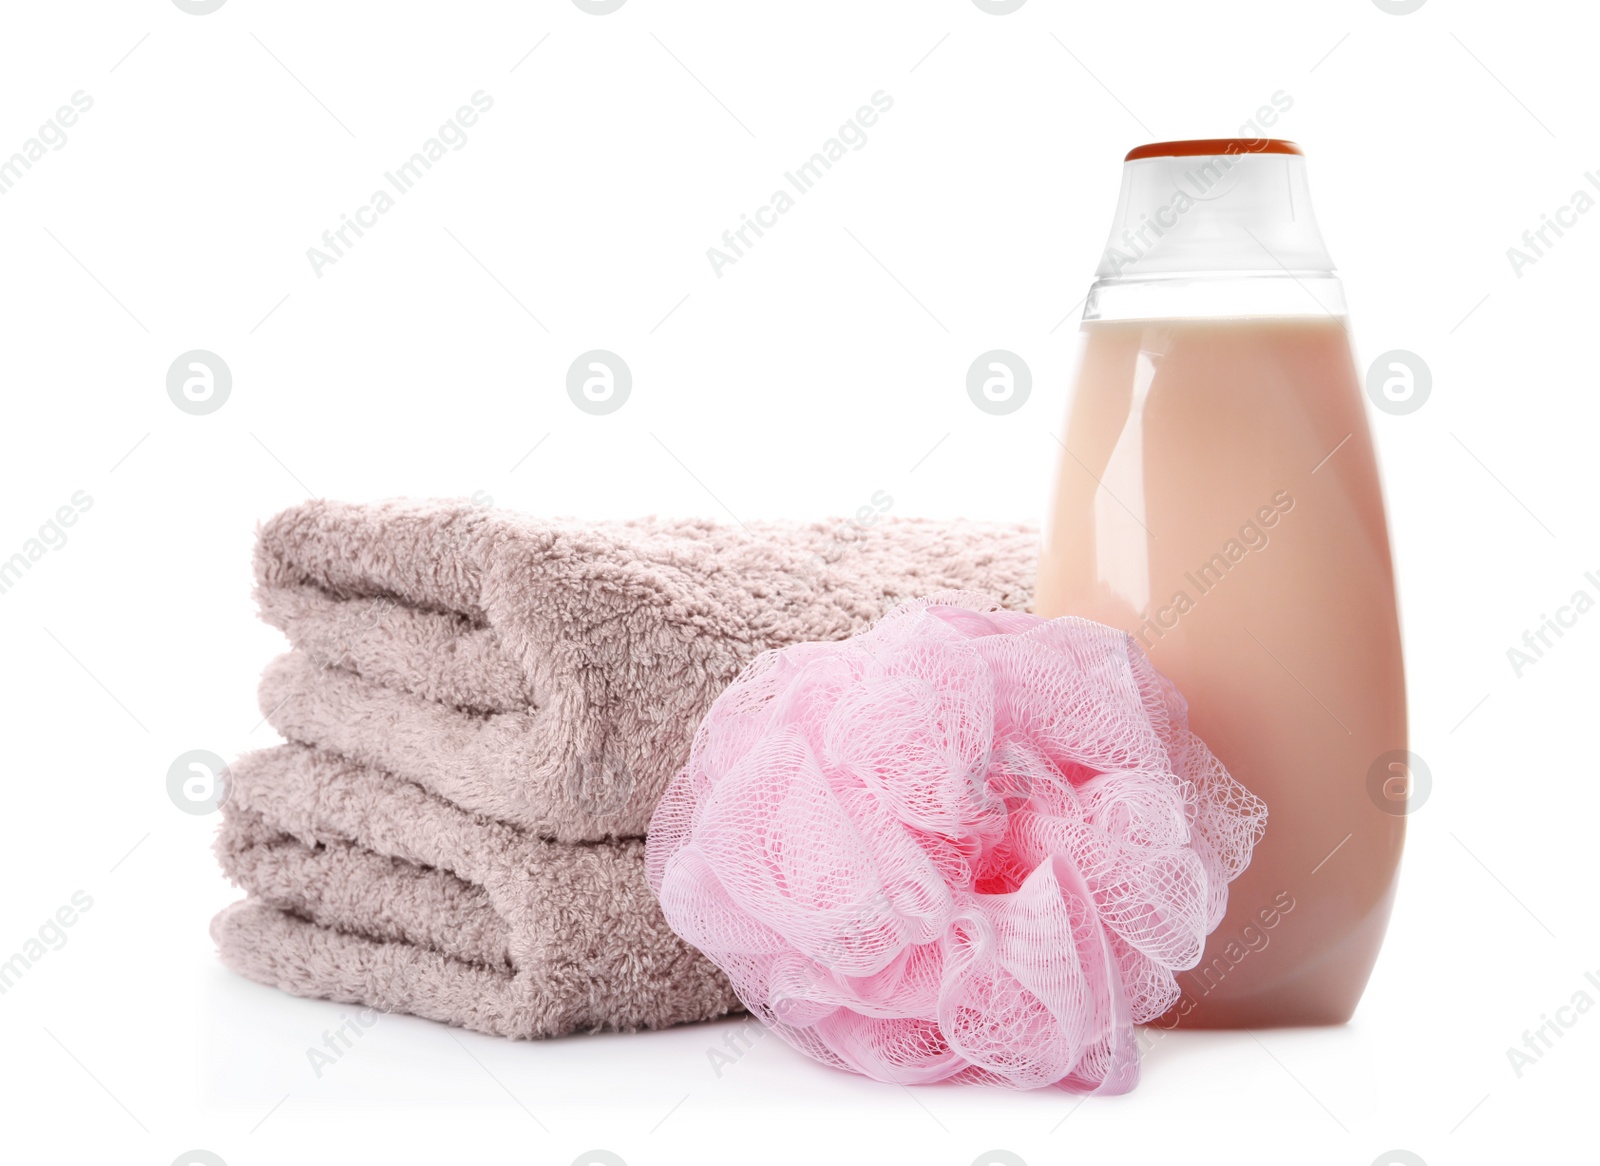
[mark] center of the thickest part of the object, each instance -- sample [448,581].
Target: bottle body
[1218,498]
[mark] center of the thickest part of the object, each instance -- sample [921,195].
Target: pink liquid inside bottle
[1218,498]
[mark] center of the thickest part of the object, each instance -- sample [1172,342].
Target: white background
[431,358]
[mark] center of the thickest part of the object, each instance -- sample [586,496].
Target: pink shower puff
[968,844]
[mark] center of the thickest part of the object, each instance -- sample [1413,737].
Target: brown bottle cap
[1205,146]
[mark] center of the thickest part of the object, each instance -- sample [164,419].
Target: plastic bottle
[1217,497]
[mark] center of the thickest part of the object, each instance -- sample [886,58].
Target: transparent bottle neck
[1222,294]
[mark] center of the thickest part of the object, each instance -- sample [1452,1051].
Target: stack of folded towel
[482,710]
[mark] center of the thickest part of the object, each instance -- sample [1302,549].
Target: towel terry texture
[371,890]
[484,708]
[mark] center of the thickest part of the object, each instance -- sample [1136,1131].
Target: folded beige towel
[550,674]
[485,708]
[370,890]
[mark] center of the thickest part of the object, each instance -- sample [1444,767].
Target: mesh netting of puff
[968,844]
